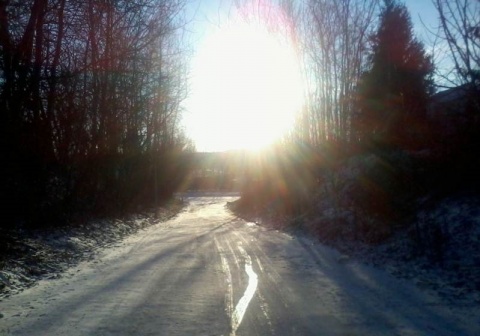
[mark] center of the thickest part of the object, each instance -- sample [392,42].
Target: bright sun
[246,88]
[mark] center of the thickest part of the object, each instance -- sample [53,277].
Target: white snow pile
[44,254]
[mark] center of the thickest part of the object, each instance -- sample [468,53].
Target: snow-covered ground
[206,272]
[453,269]
[432,238]
[46,254]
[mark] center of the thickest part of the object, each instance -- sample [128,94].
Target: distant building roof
[451,94]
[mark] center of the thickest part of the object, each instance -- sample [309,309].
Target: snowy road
[206,272]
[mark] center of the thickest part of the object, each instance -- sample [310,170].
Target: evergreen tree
[394,92]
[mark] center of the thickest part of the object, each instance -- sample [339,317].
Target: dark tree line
[90,95]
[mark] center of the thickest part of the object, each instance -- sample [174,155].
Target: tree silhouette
[90,96]
[459,29]
[394,92]
[333,37]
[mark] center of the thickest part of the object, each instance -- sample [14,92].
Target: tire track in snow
[236,315]
[263,303]
[228,275]
[242,304]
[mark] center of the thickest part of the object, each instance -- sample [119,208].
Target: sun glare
[245,90]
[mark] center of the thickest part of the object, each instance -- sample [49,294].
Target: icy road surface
[206,272]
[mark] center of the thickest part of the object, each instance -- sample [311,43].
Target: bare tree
[90,96]
[460,30]
[331,39]
[334,40]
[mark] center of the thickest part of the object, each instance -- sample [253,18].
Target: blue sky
[204,14]
[422,11]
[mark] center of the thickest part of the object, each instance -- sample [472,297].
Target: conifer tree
[394,91]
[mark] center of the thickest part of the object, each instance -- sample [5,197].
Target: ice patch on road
[242,305]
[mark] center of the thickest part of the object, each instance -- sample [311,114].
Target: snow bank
[34,255]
